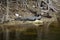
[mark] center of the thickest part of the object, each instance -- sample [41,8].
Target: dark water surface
[53,33]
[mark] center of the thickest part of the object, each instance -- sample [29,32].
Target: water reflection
[30,34]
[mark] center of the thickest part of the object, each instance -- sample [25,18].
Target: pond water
[31,34]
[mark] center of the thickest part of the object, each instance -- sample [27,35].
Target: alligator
[31,18]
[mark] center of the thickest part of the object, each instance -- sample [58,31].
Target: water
[53,33]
